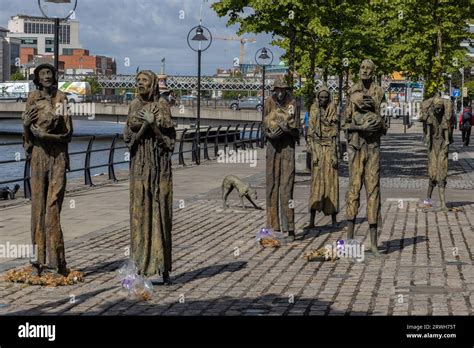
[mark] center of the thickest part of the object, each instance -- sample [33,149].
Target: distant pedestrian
[306,125]
[466,120]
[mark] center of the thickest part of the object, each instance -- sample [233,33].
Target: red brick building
[76,61]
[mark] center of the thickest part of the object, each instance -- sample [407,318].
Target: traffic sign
[456,93]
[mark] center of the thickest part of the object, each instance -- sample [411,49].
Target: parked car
[73,97]
[15,90]
[254,103]
[393,110]
[13,97]
[188,97]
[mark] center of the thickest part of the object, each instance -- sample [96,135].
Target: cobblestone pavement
[218,269]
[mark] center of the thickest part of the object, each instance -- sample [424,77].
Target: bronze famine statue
[47,132]
[150,136]
[280,125]
[364,126]
[436,118]
[323,133]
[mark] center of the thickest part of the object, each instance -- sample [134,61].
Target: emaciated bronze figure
[150,135]
[47,132]
[323,133]
[280,125]
[364,126]
[436,118]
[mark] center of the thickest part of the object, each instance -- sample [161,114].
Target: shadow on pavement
[391,246]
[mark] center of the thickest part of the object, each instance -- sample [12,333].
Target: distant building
[27,54]
[254,70]
[9,55]
[74,61]
[467,44]
[278,69]
[4,56]
[249,70]
[15,49]
[225,72]
[38,33]
[78,61]
[43,59]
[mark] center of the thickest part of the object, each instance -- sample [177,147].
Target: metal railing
[212,138]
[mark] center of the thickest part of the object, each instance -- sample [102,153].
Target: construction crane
[242,40]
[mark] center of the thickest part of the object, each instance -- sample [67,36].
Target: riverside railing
[213,139]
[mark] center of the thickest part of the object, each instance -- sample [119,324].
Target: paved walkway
[426,267]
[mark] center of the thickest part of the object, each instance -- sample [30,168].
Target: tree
[17,76]
[331,35]
[283,19]
[420,38]
[95,86]
[429,35]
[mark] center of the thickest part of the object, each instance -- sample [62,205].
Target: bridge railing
[212,140]
[205,102]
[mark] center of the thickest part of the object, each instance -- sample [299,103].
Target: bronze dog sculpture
[230,182]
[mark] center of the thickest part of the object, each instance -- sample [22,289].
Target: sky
[145,31]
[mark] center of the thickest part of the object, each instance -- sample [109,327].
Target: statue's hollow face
[143,84]
[439,109]
[366,71]
[280,93]
[46,77]
[323,99]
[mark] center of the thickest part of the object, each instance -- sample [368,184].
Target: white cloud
[147,30]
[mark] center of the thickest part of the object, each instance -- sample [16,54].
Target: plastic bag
[142,289]
[134,284]
[266,238]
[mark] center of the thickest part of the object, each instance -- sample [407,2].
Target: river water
[11,132]
[11,148]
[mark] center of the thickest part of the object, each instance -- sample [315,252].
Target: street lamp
[200,38]
[263,59]
[29,65]
[461,70]
[58,16]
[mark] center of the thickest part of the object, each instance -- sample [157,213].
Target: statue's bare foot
[309,227]
[36,269]
[375,251]
[63,271]
[167,279]
[291,236]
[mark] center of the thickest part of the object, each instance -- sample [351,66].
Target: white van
[15,90]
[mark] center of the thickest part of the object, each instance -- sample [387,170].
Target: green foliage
[470,89]
[420,38]
[17,76]
[95,87]
[428,35]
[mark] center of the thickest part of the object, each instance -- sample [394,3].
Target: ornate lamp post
[203,43]
[64,12]
[263,59]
